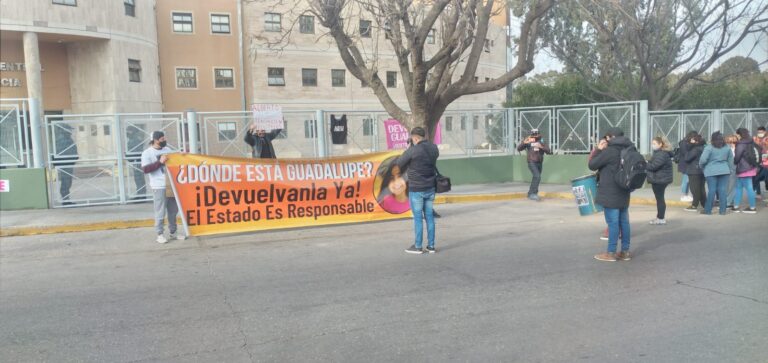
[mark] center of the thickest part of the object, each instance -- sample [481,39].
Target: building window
[307,24]
[475,120]
[227,131]
[186,78]
[94,130]
[391,79]
[449,123]
[365,28]
[130,7]
[309,77]
[463,122]
[182,22]
[487,79]
[368,127]
[224,77]
[487,45]
[338,77]
[272,22]
[134,70]
[220,24]
[107,130]
[477,79]
[276,76]
[66,2]
[309,129]
[431,36]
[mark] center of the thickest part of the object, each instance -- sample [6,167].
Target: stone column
[35,93]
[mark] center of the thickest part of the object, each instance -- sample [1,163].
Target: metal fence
[14,133]
[674,125]
[96,159]
[573,129]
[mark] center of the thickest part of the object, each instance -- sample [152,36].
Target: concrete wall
[558,169]
[53,58]
[27,189]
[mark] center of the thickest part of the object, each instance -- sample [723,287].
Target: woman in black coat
[695,173]
[659,170]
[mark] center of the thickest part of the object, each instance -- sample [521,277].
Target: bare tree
[636,49]
[432,80]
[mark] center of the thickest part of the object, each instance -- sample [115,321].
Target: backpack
[752,154]
[631,174]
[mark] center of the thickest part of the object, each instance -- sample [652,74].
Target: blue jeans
[684,185]
[536,169]
[421,206]
[617,220]
[717,184]
[746,184]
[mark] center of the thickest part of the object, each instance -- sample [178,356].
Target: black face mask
[163,143]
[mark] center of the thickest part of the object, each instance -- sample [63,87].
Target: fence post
[644,139]
[716,123]
[374,132]
[468,123]
[510,130]
[192,131]
[320,133]
[117,125]
[35,126]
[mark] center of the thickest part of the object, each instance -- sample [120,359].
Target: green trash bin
[585,190]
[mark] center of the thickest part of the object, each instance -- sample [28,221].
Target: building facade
[118,56]
[81,56]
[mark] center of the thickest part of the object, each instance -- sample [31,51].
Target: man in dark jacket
[535,150]
[420,161]
[695,173]
[64,159]
[261,142]
[613,198]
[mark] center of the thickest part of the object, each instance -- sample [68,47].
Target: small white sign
[5,185]
[268,116]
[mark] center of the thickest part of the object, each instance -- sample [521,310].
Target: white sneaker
[161,239]
[686,198]
[658,222]
[179,237]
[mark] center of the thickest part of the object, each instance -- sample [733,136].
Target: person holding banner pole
[153,161]
[261,142]
[420,162]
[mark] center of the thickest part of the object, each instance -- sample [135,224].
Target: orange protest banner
[228,195]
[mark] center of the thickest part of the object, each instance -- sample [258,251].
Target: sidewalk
[97,218]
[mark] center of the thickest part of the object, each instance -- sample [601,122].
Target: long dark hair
[717,140]
[697,139]
[385,171]
[743,133]
[690,136]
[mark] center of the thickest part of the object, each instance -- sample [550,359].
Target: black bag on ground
[442,183]
[631,174]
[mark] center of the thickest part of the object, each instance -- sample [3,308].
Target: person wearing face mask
[659,170]
[535,150]
[261,142]
[153,161]
[761,140]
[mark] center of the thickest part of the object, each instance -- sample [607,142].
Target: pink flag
[397,134]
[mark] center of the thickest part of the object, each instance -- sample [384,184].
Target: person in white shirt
[153,163]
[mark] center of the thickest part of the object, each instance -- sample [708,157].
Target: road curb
[440,199]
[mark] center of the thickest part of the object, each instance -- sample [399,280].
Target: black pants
[698,191]
[65,178]
[661,204]
[536,169]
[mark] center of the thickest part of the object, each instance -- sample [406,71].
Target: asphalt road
[512,282]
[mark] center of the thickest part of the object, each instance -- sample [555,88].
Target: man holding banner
[420,162]
[261,142]
[153,161]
